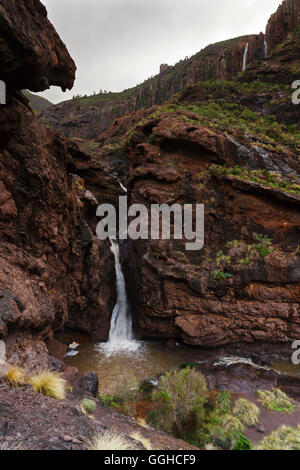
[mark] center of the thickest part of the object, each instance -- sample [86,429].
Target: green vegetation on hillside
[222,116]
[272,180]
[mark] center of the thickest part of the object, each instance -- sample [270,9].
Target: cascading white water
[121,334]
[245,58]
[265,49]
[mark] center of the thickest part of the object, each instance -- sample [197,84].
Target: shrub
[285,438]
[125,395]
[218,275]
[88,405]
[111,441]
[242,443]
[15,376]
[50,384]
[275,400]
[180,399]
[264,247]
[247,412]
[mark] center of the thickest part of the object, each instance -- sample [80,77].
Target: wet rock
[90,383]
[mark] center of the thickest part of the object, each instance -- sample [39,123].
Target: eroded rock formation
[283,22]
[53,270]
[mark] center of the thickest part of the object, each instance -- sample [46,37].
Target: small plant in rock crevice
[89,406]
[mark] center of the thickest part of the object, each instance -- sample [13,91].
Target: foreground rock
[30,421]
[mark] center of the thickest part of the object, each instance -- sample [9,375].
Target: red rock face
[32,56]
[283,22]
[53,270]
[173,292]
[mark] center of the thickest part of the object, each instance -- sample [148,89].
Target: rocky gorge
[202,131]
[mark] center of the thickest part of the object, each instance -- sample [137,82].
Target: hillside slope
[87,117]
[38,103]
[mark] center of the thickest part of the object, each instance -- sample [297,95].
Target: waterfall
[245,58]
[121,334]
[265,49]
[122,186]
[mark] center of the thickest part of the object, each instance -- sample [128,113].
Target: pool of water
[144,362]
[287,368]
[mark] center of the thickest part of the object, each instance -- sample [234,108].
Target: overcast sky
[119,43]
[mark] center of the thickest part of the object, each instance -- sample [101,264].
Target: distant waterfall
[121,334]
[265,49]
[245,58]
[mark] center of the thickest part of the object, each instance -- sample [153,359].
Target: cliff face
[87,117]
[53,271]
[283,22]
[213,145]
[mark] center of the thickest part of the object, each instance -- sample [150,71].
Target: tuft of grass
[232,424]
[15,376]
[247,412]
[285,438]
[275,400]
[136,436]
[111,441]
[50,384]
[88,405]
[7,446]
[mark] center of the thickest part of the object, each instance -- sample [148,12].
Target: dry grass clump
[285,438]
[50,384]
[247,412]
[232,424]
[275,400]
[7,446]
[15,376]
[136,436]
[111,441]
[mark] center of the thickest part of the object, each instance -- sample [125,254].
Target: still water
[149,360]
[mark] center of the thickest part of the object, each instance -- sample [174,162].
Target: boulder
[90,383]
